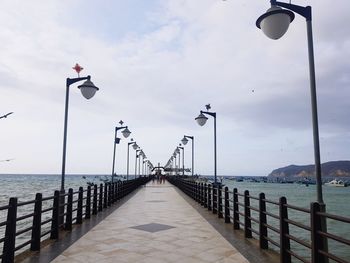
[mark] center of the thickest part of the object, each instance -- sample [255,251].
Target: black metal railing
[27,223]
[268,221]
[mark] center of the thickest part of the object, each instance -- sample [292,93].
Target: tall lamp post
[116,141]
[127,158]
[183,159]
[88,90]
[137,156]
[184,142]
[201,120]
[274,23]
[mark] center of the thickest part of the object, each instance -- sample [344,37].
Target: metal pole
[314,113]
[192,156]
[183,161]
[139,164]
[179,161]
[65,138]
[114,142]
[135,164]
[215,180]
[127,164]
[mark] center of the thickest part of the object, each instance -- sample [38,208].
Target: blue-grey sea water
[337,201]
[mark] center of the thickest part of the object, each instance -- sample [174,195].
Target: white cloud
[157,80]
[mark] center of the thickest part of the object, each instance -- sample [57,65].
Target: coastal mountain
[329,169]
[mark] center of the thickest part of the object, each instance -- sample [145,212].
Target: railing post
[227,206]
[68,224]
[209,197]
[220,215]
[10,232]
[55,216]
[94,203]
[215,198]
[235,210]
[36,232]
[205,196]
[80,206]
[316,239]
[88,203]
[100,206]
[247,221]
[105,196]
[109,186]
[264,244]
[284,230]
[114,198]
[202,193]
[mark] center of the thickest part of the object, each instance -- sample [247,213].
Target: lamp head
[184,141]
[126,132]
[275,22]
[88,89]
[201,119]
[135,146]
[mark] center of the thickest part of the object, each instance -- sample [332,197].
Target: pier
[173,220]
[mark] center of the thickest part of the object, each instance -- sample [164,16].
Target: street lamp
[127,162]
[88,90]
[201,120]
[116,141]
[137,156]
[274,23]
[183,159]
[184,142]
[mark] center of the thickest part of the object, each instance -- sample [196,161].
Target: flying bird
[5,116]
[208,107]
[7,160]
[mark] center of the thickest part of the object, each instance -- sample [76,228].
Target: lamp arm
[122,127]
[71,81]
[188,137]
[213,114]
[301,10]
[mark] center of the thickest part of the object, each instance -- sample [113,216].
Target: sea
[337,200]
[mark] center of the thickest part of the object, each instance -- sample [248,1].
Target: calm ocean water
[337,200]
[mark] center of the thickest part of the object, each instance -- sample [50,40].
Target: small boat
[337,183]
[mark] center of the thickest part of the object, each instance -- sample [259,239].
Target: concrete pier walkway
[155,225]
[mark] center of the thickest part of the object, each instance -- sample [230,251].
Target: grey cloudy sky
[157,63]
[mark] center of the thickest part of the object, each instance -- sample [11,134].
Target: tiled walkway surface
[156,225]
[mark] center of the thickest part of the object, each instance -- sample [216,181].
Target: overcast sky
[157,63]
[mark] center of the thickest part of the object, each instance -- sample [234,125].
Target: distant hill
[329,169]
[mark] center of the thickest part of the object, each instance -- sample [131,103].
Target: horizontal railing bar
[240,213]
[335,217]
[297,224]
[331,256]
[301,209]
[47,210]
[334,237]
[45,233]
[26,203]
[254,220]
[239,194]
[2,239]
[46,221]
[48,198]
[272,228]
[24,217]
[272,241]
[241,223]
[297,256]
[240,204]
[3,223]
[271,202]
[253,197]
[272,215]
[23,245]
[24,231]
[253,208]
[301,242]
